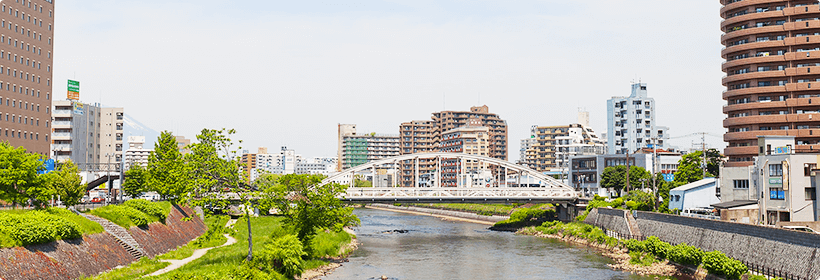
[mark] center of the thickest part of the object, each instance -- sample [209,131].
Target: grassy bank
[229,262]
[481,209]
[25,227]
[644,253]
[135,212]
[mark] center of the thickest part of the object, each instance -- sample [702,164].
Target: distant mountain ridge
[136,128]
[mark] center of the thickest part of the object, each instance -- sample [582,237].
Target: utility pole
[655,170]
[628,185]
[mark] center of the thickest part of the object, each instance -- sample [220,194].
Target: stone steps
[121,234]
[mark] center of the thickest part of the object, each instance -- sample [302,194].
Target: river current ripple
[435,249]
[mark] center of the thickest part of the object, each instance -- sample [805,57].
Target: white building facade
[631,122]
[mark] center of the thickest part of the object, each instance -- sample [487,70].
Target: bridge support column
[416,159]
[438,172]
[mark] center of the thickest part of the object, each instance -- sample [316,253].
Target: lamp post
[108,173]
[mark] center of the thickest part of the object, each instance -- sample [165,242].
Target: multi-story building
[781,183]
[86,133]
[136,154]
[550,147]
[26,89]
[631,122]
[525,152]
[772,66]
[580,140]
[182,144]
[356,149]
[541,154]
[585,171]
[472,139]
[426,136]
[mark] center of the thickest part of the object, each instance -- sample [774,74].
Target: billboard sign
[78,108]
[73,90]
[775,181]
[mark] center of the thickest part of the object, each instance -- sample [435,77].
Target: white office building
[136,154]
[631,122]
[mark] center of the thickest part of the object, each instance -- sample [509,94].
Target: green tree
[614,177]
[689,167]
[166,169]
[310,206]
[19,181]
[66,182]
[136,179]
[639,177]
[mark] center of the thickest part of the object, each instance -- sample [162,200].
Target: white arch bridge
[448,178]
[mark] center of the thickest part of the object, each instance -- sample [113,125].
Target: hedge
[715,262]
[35,227]
[147,207]
[122,215]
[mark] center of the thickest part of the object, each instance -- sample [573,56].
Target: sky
[285,73]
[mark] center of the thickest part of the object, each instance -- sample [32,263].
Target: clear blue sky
[286,72]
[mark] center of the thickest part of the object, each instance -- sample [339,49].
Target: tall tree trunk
[250,240]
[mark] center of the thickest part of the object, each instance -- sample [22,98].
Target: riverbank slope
[443,214]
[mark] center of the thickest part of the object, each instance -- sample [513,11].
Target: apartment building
[417,137]
[772,63]
[472,139]
[26,46]
[631,122]
[585,171]
[86,133]
[356,149]
[136,154]
[447,120]
[182,144]
[549,148]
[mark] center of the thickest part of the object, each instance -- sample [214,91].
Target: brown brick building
[772,53]
[26,55]
[426,136]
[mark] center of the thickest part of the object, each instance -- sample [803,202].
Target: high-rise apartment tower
[631,122]
[772,53]
[26,55]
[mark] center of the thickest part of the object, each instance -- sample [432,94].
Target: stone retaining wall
[95,253]
[611,219]
[157,239]
[785,250]
[450,213]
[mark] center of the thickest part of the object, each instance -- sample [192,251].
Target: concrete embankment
[440,213]
[96,253]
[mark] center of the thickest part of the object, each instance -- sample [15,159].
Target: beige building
[472,139]
[182,144]
[27,37]
[86,133]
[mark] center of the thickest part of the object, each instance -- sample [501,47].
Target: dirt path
[197,254]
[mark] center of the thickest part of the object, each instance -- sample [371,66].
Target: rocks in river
[395,231]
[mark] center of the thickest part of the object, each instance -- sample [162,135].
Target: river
[436,249]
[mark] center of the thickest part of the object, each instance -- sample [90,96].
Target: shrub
[122,215]
[685,254]
[284,254]
[147,207]
[524,217]
[657,247]
[36,227]
[717,263]
[634,245]
[641,258]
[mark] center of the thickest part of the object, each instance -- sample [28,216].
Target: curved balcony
[754,75]
[754,90]
[796,41]
[799,11]
[803,86]
[754,105]
[745,3]
[798,56]
[751,135]
[801,25]
[754,45]
[752,30]
[767,119]
[747,150]
[796,102]
[755,60]
[802,71]
[749,17]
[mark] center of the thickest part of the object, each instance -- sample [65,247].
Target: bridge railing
[458,192]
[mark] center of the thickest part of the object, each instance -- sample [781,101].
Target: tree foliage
[19,180]
[136,181]
[310,206]
[689,167]
[614,177]
[66,182]
[166,169]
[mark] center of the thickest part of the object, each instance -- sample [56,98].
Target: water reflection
[435,249]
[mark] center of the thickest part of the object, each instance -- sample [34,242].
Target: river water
[436,249]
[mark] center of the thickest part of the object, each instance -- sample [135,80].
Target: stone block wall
[790,251]
[96,253]
[63,259]
[157,239]
[611,219]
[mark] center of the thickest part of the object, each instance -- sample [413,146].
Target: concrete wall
[95,253]
[611,219]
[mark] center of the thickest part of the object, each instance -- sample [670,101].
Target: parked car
[800,228]
[97,200]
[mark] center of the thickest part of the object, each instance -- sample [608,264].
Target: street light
[108,173]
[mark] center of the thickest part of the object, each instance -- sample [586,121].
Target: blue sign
[48,166]
[669,177]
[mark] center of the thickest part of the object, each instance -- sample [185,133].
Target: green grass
[87,226]
[135,270]
[327,244]
[128,217]
[481,209]
[12,238]
[215,224]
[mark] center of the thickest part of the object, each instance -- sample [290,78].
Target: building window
[811,194]
[777,194]
[807,169]
[775,170]
[741,184]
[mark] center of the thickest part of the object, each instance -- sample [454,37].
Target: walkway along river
[432,248]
